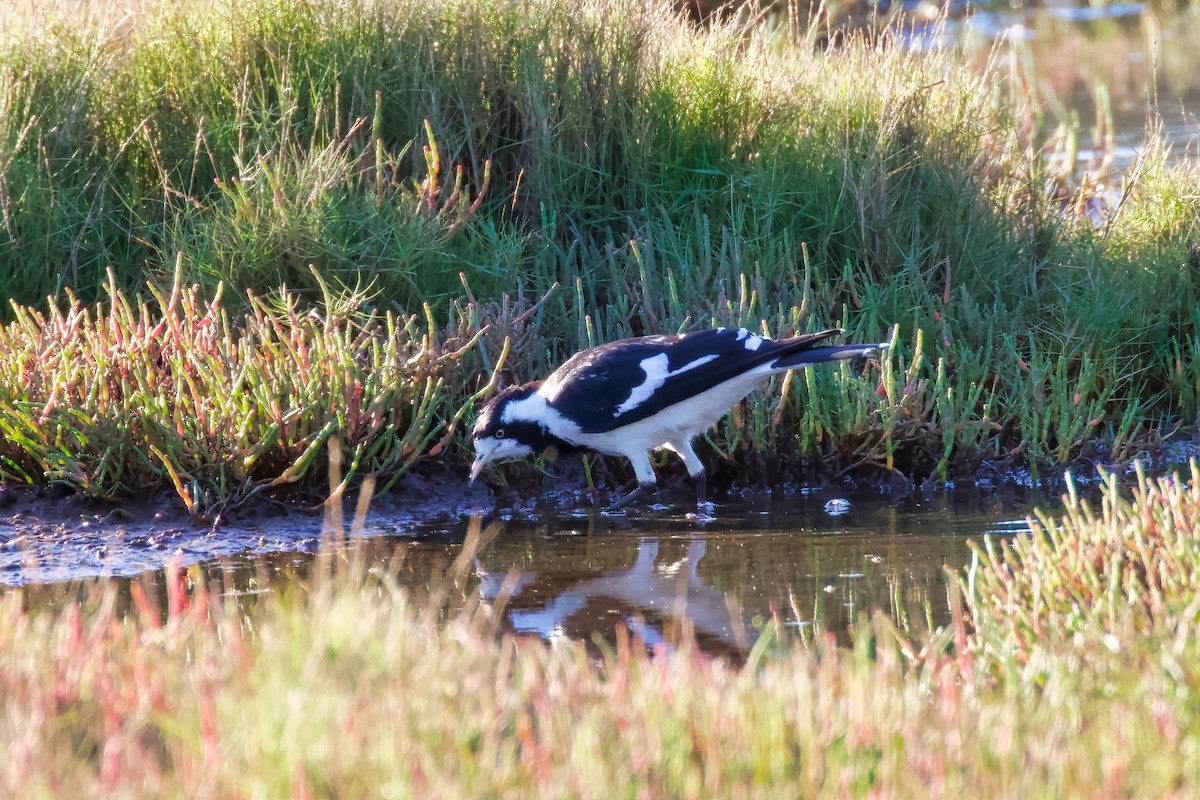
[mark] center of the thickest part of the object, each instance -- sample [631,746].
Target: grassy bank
[661,177]
[1070,668]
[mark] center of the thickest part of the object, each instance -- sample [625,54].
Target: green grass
[112,400]
[1069,667]
[662,177]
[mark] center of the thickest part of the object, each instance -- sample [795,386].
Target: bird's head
[500,437]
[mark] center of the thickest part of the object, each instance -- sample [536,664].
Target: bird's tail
[815,355]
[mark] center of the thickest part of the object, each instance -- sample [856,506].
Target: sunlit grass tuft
[114,399]
[1129,566]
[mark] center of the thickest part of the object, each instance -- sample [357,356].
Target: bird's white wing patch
[752,340]
[657,372]
[535,409]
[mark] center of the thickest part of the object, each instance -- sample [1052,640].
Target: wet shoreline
[47,539]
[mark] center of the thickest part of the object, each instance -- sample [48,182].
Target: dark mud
[46,538]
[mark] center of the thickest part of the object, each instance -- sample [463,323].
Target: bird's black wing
[618,383]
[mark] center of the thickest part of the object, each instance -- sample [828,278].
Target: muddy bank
[47,536]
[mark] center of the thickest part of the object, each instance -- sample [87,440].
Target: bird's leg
[642,489]
[647,482]
[695,468]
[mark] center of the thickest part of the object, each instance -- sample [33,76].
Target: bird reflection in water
[660,600]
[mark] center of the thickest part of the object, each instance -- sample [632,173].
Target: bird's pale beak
[476,468]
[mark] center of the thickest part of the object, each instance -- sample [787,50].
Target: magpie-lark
[629,397]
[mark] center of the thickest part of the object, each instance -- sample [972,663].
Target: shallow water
[788,558]
[1133,66]
[577,572]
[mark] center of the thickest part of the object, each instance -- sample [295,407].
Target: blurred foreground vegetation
[1070,667]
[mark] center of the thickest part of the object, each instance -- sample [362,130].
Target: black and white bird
[632,396]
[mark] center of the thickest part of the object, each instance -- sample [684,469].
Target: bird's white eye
[500,433]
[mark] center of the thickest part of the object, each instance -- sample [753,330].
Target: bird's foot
[704,507]
[705,512]
[641,490]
